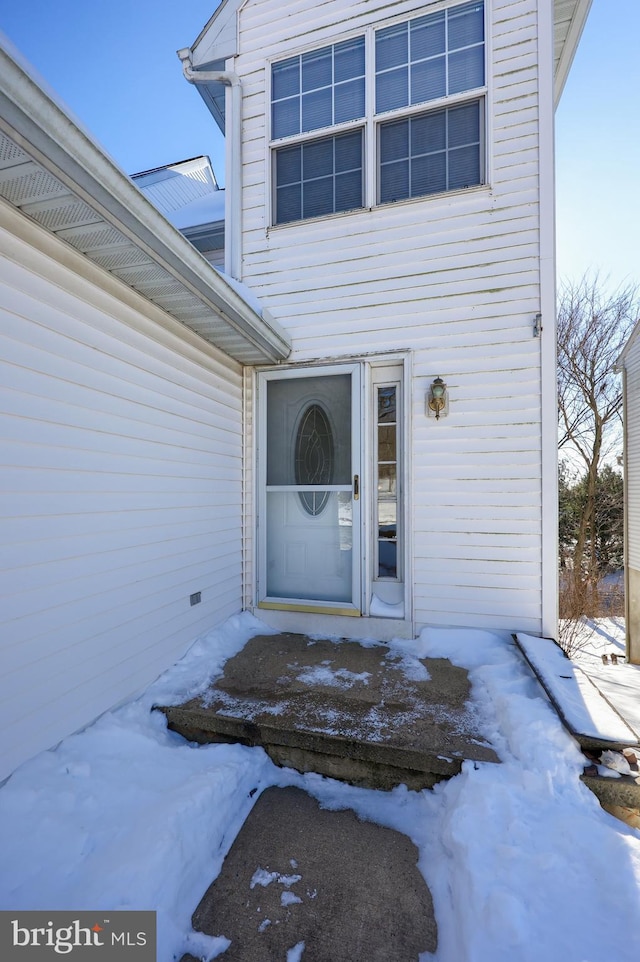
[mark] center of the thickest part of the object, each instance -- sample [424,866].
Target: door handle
[356,487]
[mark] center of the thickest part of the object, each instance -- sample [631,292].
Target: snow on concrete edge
[582,705]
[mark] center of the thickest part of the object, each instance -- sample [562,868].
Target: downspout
[233,207]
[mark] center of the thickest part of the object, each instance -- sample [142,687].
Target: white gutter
[40,127]
[233,195]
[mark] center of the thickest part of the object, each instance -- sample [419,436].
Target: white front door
[309,467]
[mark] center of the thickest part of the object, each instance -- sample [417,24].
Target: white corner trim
[547,340]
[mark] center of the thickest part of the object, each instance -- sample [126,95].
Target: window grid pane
[430,57]
[418,61]
[318,178]
[430,153]
[318,89]
[387,462]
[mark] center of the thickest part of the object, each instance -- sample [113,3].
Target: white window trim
[372,121]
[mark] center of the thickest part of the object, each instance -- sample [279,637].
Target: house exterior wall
[632,497]
[215,258]
[121,476]
[455,280]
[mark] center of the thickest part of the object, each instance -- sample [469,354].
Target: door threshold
[332,625]
[308,608]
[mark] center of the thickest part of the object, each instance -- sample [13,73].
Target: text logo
[81,936]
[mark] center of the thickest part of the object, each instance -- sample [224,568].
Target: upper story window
[437,58]
[424,128]
[318,177]
[318,89]
[431,57]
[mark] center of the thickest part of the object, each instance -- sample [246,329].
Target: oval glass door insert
[314,457]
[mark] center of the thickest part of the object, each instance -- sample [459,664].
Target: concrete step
[622,791]
[358,712]
[297,874]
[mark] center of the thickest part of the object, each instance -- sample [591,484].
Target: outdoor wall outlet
[195,598]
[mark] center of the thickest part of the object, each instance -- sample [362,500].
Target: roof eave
[46,133]
[631,340]
[570,45]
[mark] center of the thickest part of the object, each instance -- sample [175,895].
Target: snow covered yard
[522,862]
[617,680]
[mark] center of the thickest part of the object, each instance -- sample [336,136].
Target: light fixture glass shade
[437,401]
[438,388]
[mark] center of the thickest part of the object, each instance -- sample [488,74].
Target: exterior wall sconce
[437,399]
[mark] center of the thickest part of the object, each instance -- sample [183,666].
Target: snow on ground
[619,683]
[522,862]
[340,678]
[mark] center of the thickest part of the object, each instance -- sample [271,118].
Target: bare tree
[593,326]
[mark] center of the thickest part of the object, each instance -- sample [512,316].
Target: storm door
[309,516]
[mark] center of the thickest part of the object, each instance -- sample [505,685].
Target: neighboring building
[629,365]
[392,167]
[188,195]
[180,444]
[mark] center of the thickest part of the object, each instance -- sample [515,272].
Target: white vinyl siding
[453,278]
[121,490]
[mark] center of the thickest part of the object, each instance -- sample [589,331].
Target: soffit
[52,172]
[569,19]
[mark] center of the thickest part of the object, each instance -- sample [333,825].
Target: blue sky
[115,66]
[598,149]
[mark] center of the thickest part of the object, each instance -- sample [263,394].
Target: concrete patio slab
[337,888]
[363,713]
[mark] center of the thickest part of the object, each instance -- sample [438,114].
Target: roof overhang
[626,350]
[569,19]
[54,173]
